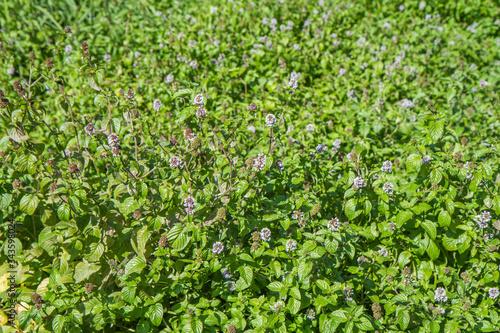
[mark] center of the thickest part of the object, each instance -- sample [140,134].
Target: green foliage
[346,169]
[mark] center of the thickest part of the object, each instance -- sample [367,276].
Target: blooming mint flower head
[337,143]
[107,58]
[320,149]
[265,234]
[189,202]
[387,188]
[175,162]
[358,183]
[387,167]
[310,128]
[231,285]
[383,252]
[68,49]
[440,295]
[270,120]
[493,293]
[310,314]
[157,104]
[226,274]
[291,245]
[113,140]
[169,78]
[251,128]
[217,248]
[259,162]
[199,100]
[334,224]
[201,112]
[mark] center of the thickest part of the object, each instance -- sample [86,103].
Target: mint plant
[249,167]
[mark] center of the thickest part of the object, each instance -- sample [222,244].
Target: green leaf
[436,130]
[430,229]
[339,316]
[323,285]
[331,245]
[293,305]
[128,294]
[63,212]
[403,318]
[95,253]
[452,327]
[350,209]
[156,314]
[181,242]
[404,258]
[402,217]
[275,286]
[93,84]
[444,219]
[246,274]
[303,270]
[295,293]
[135,265]
[5,200]
[364,324]
[100,100]
[16,134]
[432,250]
[58,323]
[83,270]
[29,203]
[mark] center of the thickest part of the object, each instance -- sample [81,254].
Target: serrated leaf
[444,219]
[29,203]
[135,265]
[436,130]
[246,274]
[93,83]
[84,270]
[432,250]
[100,100]
[58,323]
[430,229]
[293,305]
[16,134]
[156,314]
[275,286]
[303,270]
[295,293]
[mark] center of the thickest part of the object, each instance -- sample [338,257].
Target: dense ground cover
[248,167]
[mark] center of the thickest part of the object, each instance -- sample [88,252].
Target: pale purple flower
[383,252]
[440,295]
[156,104]
[217,248]
[493,293]
[358,183]
[270,120]
[334,224]
[320,149]
[175,162]
[291,245]
[387,188]
[265,234]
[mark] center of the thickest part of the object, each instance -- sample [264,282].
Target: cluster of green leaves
[104,233]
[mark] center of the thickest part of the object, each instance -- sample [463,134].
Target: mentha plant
[297,167]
